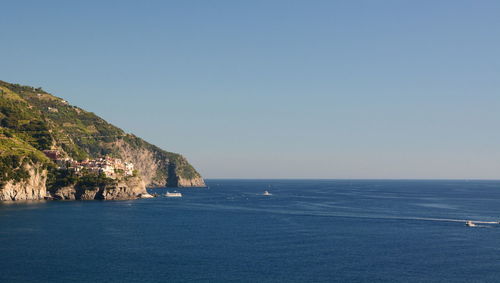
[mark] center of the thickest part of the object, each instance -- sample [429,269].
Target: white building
[129,169]
[108,170]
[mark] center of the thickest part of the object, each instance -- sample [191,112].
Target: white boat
[173,195]
[146,195]
[266,193]
[470,224]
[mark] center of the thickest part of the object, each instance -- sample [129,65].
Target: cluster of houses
[111,167]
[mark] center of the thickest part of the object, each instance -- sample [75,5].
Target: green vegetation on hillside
[15,154]
[18,116]
[86,180]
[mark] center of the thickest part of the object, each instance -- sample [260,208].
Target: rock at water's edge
[196,182]
[33,188]
[129,188]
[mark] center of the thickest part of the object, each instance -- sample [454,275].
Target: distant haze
[277,89]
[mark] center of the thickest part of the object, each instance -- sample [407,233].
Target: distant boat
[146,195]
[470,224]
[173,195]
[266,193]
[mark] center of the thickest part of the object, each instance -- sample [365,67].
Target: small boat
[470,224]
[266,193]
[173,195]
[146,195]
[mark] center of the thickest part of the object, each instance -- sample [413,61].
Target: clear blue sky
[277,89]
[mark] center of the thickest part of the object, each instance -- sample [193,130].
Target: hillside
[33,120]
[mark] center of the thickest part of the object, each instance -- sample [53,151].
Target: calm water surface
[307,231]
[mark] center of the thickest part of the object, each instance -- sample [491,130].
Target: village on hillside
[111,167]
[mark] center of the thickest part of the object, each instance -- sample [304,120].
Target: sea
[306,231]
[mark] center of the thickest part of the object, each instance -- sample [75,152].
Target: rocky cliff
[32,187]
[129,188]
[30,183]
[158,168]
[192,182]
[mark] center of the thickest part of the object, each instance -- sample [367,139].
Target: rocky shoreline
[34,188]
[132,188]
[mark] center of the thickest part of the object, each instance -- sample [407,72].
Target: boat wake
[340,214]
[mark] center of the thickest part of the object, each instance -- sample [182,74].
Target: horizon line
[363,179]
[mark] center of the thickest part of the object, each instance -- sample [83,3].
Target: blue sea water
[307,231]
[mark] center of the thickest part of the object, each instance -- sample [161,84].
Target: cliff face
[32,188]
[159,168]
[145,162]
[130,188]
[194,182]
